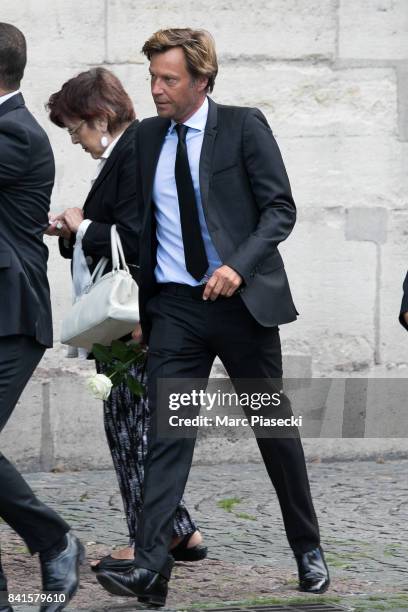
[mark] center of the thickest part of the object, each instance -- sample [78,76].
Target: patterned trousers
[126,420]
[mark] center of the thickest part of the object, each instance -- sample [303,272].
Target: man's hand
[73,218]
[224,281]
[405,315]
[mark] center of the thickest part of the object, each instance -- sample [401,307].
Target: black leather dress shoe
[148,586]
[313,572]
[61,573]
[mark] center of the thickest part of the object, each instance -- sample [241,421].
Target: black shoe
[148,586]
[113,565]
[194,553]
[313,572]
[61,573]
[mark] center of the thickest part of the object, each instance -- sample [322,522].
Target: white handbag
[108,309]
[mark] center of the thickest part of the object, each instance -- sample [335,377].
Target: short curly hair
[91,95]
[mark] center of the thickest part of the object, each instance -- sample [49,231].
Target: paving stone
[362,507]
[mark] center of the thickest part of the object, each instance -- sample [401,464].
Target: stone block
[274,28]
[347,172]
[394,266]
[366,224]
[59,32]
[79,439]
[297,366]
[373,29]
[313,100]
[136,81]
[333,283]
[402,73]
[21,439]
[298,101]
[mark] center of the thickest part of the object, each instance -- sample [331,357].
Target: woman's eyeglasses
[74,130]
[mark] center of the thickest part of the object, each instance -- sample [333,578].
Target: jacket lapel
[12,103]
[206,156]
[110,162]
[151,146]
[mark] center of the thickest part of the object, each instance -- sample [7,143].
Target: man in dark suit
[403,317]
[26,181]
[217,204]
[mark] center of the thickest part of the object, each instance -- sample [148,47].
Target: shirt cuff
[83,226]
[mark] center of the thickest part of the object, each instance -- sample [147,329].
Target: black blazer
[112,200]
[26,180]
[404,305]
[247,204]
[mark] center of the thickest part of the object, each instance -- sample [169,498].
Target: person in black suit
[99,116]
[403,317]
[217,204]
[26,182]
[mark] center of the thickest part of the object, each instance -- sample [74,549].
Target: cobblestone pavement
[362,507]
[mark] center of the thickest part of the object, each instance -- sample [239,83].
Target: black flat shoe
[61,573]
[148,586]
[313,572]
[194,553]
[113,565]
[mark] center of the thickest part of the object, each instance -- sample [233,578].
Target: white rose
[100,385]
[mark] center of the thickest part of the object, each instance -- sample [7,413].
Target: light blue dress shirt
[171,264]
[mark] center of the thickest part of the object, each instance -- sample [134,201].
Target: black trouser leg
[255,353]
[176,350]
[3,581]
[39,526]
[127,422]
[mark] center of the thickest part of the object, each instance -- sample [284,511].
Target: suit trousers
[187,334]
[39,526]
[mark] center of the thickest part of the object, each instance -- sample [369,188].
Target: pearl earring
[104,142]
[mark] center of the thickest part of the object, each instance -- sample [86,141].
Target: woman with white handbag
[102,241]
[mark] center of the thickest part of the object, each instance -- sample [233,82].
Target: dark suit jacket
[112,200]
[26,181]
[247,204]
[404,305]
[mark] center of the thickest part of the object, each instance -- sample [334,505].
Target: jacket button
[89,260]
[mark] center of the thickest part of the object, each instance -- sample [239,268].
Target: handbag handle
[118,258]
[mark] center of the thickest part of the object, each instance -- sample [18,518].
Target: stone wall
[332,78]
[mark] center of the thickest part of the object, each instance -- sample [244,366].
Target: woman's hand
[57,227]
[137,335]
[73,218]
